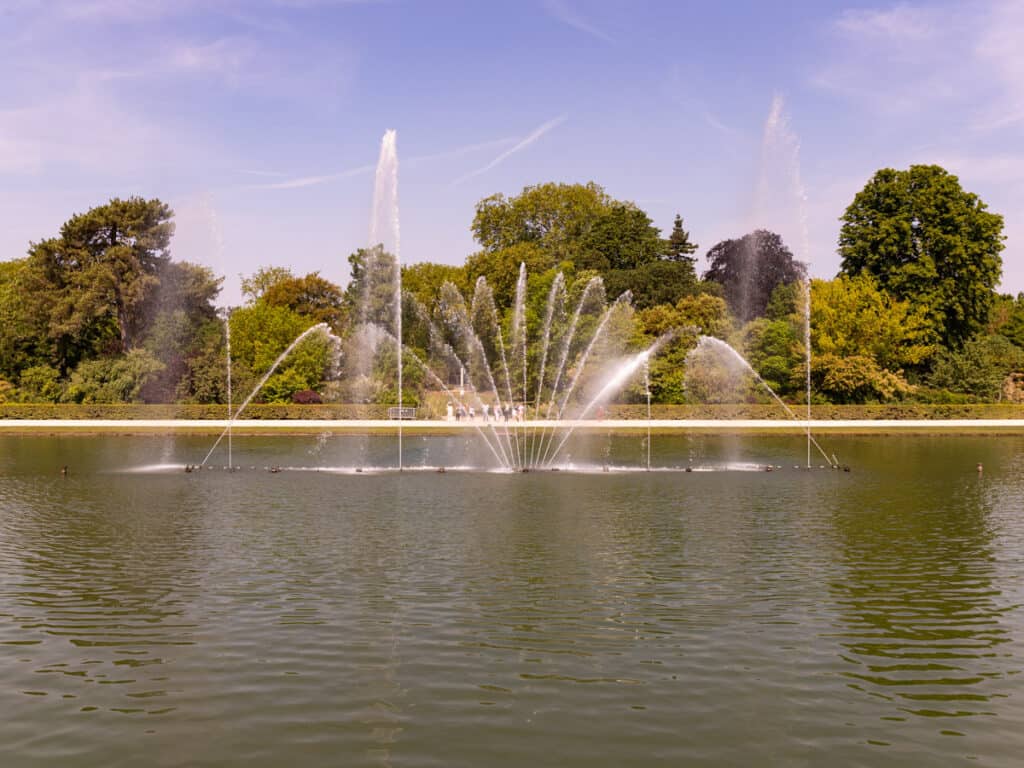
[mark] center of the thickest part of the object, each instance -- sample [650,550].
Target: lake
[591,618]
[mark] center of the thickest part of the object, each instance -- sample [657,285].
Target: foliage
[100,273]
[927,241]
[501,269]
[658,282]
[622,237]
[112,379]
[23,341]
[369,296]
[424,280]
[204,379]
[679,247]
[310,296]
[979,369]
[708,313]
[307,397]
[257,284]
[1007,318]
[40,384]
[774,348]
[259,335]
[851,316]
[554,217]
[855,379]
[750,269]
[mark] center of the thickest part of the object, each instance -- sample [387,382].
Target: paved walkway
[255,426]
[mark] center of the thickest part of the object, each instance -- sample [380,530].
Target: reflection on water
[478,618]
[924,620]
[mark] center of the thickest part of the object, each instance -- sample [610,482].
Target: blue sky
[259,121]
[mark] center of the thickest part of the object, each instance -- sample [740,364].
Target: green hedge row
[139,411]
[351,411]
[823,412]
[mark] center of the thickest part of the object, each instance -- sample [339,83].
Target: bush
[112,379]
[40,383]
[307,397]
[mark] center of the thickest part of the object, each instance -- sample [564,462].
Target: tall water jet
[782,200]
[227,344]
[385,232]
[647,392]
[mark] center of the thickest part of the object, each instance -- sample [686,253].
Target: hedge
[638,411]
[130,411]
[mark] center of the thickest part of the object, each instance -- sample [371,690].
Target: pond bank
[426,427]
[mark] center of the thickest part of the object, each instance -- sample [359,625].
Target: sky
[260,121]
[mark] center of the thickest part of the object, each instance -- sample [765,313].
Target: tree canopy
[925,239]
[750,268]
[100,312]
[101,271]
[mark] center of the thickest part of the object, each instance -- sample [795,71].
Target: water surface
[718,617]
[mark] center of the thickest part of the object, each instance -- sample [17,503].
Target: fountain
[539,384]
[780,171]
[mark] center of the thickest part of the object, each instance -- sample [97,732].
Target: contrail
[509,152]
[309,181]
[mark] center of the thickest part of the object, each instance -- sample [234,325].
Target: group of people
[497,412]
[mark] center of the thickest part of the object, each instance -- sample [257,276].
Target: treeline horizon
[102,313]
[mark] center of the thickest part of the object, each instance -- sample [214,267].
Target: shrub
[307,397]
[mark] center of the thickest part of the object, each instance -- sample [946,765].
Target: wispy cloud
[468,149]
[312,181]
[902,22]
[533,137]
[563,12]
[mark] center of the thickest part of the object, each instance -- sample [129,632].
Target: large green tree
[97,278]
[750,268]
[928,241]
[622,237]
[555,217]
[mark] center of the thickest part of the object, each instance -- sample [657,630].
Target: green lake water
[322,617]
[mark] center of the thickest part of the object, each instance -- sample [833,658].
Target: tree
[978,369]
[102,270]
[1007,319]
[855,379]
[370,294]
[310,296]
[424,280]
[24,319]
[679,247]
[928,241]
[260,333]
[553,216]
[659,282]
[774,348]
[257,284]
[112,379]
[750,269]
[851,316]
[621,237]
[501,269]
